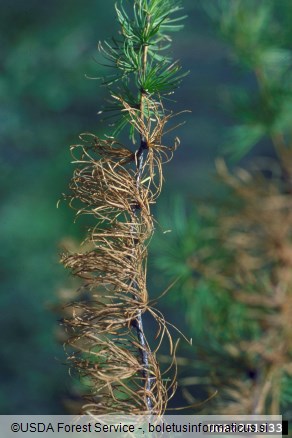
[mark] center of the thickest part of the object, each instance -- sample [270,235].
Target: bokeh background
[47,49]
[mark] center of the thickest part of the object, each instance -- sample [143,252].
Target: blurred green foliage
[46,101]
[258,35]
[260,38]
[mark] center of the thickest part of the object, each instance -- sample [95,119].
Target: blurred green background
[47,48]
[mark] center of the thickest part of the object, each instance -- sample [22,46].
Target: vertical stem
[140,154]
[138,323]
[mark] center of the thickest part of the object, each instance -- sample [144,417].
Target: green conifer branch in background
[260,45]
[234,255]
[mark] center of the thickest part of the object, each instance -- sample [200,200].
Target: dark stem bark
[138,322]
[140,155]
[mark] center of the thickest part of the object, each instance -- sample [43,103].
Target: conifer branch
[117,187]
[138,323]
